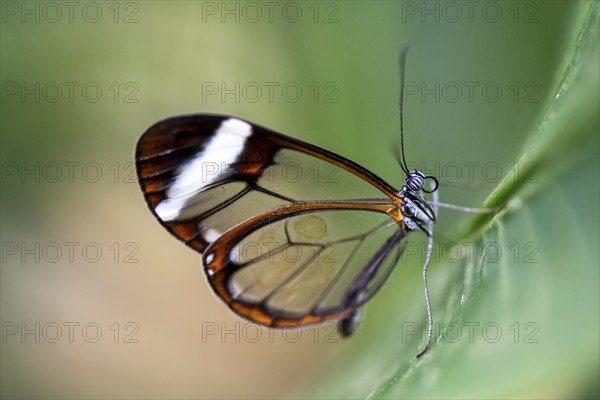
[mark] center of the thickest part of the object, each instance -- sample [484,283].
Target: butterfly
[284,237]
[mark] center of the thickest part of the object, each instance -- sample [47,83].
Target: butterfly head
[415,180]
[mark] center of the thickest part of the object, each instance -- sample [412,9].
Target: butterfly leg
[470,209]
[427,304]
[435,203]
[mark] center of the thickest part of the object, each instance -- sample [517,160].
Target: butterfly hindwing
[303,263]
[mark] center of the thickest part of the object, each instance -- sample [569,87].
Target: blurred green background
[489,85]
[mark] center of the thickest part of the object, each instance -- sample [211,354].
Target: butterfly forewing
[291,233]
[192,168]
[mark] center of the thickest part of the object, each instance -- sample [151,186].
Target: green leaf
[517,313]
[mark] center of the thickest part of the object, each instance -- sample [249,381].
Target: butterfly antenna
[402,61]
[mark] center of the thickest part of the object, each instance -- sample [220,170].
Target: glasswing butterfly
[284,238]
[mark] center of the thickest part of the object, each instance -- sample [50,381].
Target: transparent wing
[202,175]
[291,234]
